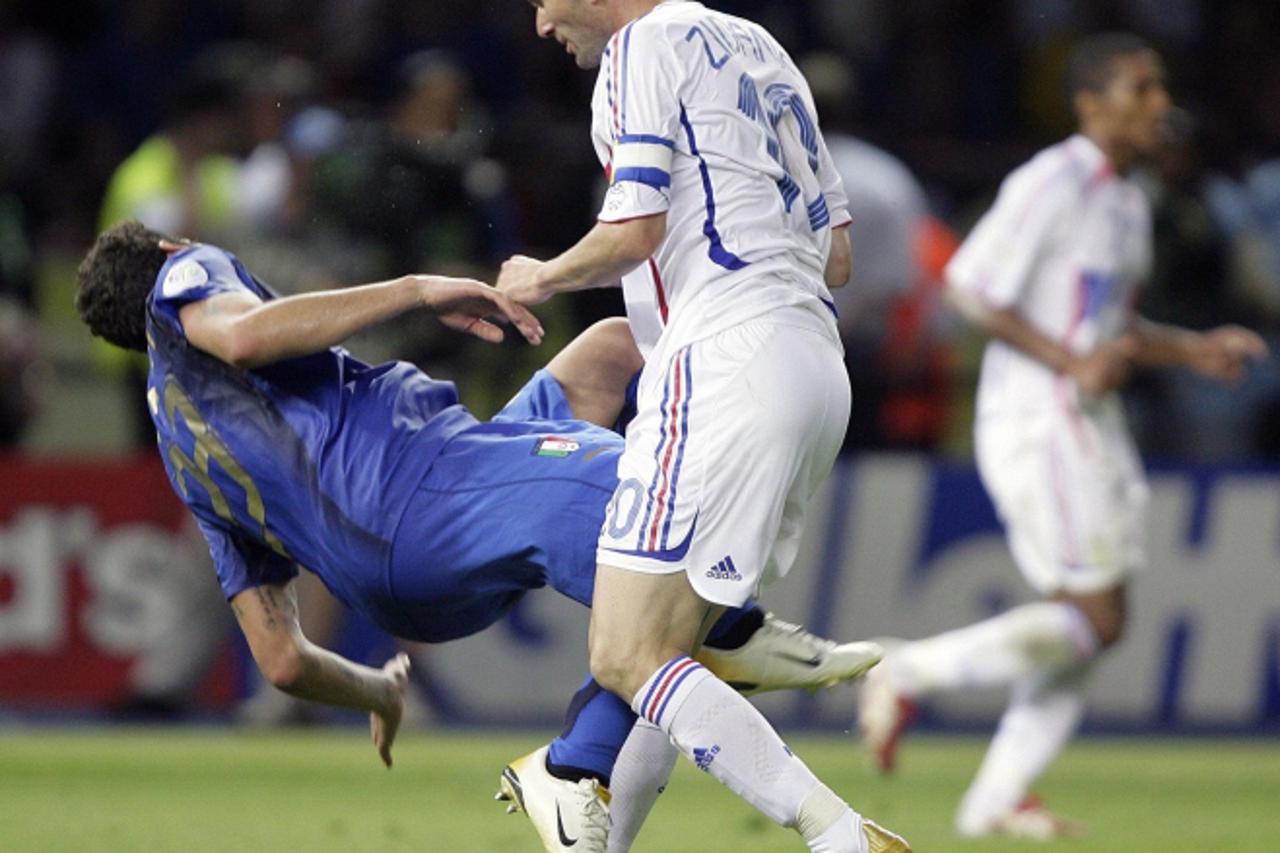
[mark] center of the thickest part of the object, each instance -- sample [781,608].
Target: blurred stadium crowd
[340,141]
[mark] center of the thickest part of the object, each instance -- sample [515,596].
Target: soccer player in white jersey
[724,222]
[1050,274]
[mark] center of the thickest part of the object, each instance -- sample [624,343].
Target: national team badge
[183,276]
[614,198]
[556,447]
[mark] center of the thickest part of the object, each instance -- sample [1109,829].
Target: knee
[1109,618]
[1108,627]
[614,335]
[613,669]
[622,665]
[614,351]
[1106,613]
[1106,618]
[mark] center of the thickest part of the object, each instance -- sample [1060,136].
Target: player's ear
[1085,104]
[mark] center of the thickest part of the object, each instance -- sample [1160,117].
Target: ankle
[819,811]
[575,774]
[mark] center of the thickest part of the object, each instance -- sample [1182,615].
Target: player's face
[1135,104]
[580,25]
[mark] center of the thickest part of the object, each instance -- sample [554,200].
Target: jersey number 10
[209,446]
[791,136]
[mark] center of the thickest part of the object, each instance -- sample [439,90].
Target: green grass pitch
[323,790]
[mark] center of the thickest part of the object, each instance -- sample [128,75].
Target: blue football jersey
[308,461]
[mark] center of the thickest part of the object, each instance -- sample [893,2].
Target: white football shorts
[1072,494]
[733,435]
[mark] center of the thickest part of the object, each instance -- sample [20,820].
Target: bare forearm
[839,267]
[310,322]
[599,259]
[1102,370]
[1160,345]
[326,677]
[268,615]
[1016,331]
[1011,327]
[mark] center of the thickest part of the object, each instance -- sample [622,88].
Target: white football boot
[569,817]
[782,656]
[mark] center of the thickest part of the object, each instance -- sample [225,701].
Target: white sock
[640,774]
[843,832]
[1043,713]
[724,734]
[996,651]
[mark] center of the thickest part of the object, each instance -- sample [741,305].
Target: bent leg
[1044,712]
[597,724]
[639,622]
[994,652]
[643,628]
[1006,649]
[753,652]
[595,369]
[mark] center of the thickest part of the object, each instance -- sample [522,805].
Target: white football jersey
[703,116]
[1067,243]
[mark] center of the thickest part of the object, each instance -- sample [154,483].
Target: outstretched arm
[600,259]
[244,331]
[268,615]
[1221,353]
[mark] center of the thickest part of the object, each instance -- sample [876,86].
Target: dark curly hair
[1092,62]
[113,282]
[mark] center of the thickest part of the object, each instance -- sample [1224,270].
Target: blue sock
[597,722]
[596,725]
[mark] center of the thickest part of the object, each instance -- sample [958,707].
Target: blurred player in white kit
[724,223]
[1050,274]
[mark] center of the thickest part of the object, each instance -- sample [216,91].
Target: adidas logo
[724,570]
[704,757]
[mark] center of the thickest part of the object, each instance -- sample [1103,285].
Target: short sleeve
[193,275]
[1001,253]
[242,563]
[832,188]
[643,105]
[830,183]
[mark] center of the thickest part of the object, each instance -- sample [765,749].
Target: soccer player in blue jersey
[290,452]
